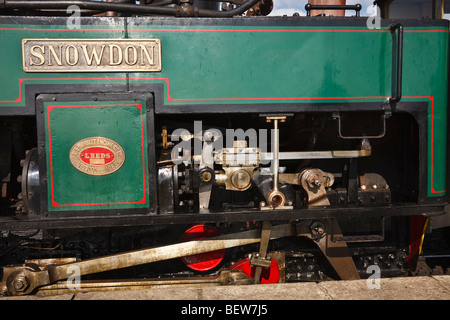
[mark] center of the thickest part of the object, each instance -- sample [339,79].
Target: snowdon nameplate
[91,55]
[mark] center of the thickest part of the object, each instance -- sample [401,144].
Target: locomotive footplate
[25,279]
[33,223]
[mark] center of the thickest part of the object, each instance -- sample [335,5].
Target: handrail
[309,7]
[399,63]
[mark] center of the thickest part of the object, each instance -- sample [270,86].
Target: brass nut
[206,176]
[20,283]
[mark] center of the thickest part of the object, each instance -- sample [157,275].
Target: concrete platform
[412,288]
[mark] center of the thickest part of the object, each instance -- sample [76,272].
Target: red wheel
[203,261]
[268,275]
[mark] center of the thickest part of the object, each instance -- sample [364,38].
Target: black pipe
[183,10]
[89,5]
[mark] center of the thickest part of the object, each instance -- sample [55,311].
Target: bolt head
[20,283]
[317,229]
[314,181]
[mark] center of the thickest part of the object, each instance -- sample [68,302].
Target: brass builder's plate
[91,55]
[97,156]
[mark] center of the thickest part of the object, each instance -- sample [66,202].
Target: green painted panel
[204,66]
[122,122]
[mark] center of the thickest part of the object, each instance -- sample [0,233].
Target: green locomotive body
[164,122]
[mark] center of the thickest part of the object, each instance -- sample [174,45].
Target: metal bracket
[261,260]
[337,253]
[313,182]
[336,116]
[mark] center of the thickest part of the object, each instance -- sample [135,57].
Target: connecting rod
[20,280]
[24,279]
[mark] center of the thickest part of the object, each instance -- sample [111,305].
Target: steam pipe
[183,10]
